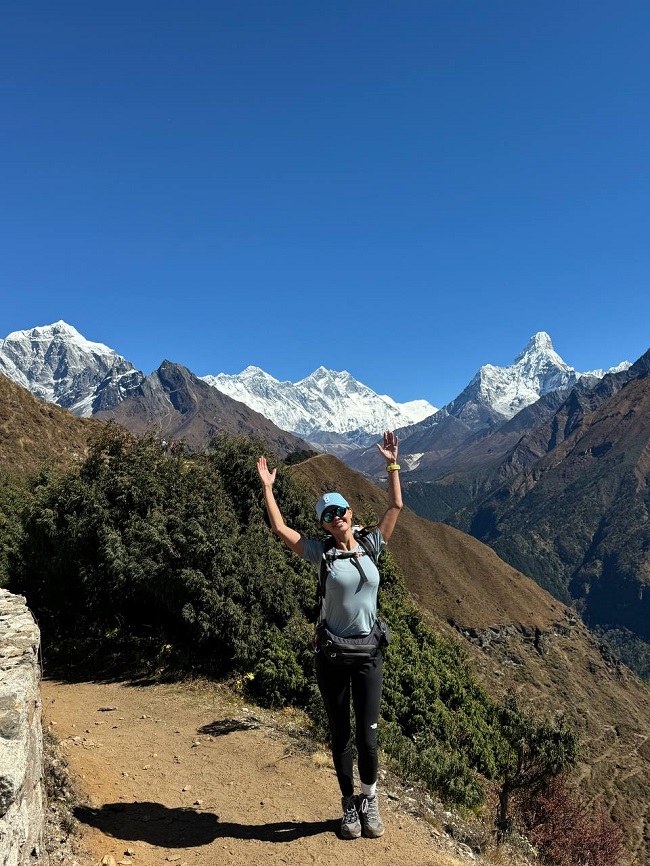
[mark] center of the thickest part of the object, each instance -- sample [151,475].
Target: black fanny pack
[352,650]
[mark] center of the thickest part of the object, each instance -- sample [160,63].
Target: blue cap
[327,500]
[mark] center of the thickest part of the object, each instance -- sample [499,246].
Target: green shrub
[14,498]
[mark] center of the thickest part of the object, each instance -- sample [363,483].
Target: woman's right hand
[291,538]
[266,475]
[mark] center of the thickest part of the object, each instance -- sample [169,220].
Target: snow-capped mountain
[498,393]
[325,405]
[330,409]
[493,397]
[56,363]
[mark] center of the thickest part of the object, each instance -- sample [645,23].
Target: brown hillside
[519,637]
[34,433]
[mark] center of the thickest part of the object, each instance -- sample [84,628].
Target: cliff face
[22,802]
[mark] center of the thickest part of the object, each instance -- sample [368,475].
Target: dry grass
[34,433]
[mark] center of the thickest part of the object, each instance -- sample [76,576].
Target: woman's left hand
[389,449]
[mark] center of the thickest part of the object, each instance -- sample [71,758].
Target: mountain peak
[324,373]
[60,327]
[501,392]
[540,344]
[326,401]
[60,365]
[58,332]
[540,341]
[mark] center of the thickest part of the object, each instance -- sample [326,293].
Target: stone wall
[22,801]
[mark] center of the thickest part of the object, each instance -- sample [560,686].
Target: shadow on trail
[228,726]
[186,828]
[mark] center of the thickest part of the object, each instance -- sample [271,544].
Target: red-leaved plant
[567,831]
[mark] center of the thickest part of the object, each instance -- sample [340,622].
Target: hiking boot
[350,825]
[373,826]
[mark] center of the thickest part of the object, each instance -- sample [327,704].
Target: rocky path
[182,774]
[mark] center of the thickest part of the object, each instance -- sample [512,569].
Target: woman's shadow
[188,828]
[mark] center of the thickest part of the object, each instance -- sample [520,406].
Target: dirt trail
[180,774]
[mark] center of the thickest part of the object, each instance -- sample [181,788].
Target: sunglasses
[331,513]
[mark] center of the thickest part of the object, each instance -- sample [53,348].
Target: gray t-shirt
[350,603]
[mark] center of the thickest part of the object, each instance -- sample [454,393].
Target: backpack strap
[362,537]
[330,554]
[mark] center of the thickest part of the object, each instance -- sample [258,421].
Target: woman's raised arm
[291,538]
[389,452]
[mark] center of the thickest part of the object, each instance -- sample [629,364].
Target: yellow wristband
[392,467]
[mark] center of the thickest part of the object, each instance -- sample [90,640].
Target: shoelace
[350,814]
[370,808]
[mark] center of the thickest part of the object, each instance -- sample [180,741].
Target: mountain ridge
[441,483]
[493,397]
[326,406]
[174,404]
[576,518]
[332,409]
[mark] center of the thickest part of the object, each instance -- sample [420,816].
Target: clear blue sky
[406,190]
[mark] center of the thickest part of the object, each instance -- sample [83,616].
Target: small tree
[567,831]
[534,752]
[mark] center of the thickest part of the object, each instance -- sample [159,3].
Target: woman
[349,609]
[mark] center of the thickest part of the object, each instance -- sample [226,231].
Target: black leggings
[335,683]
